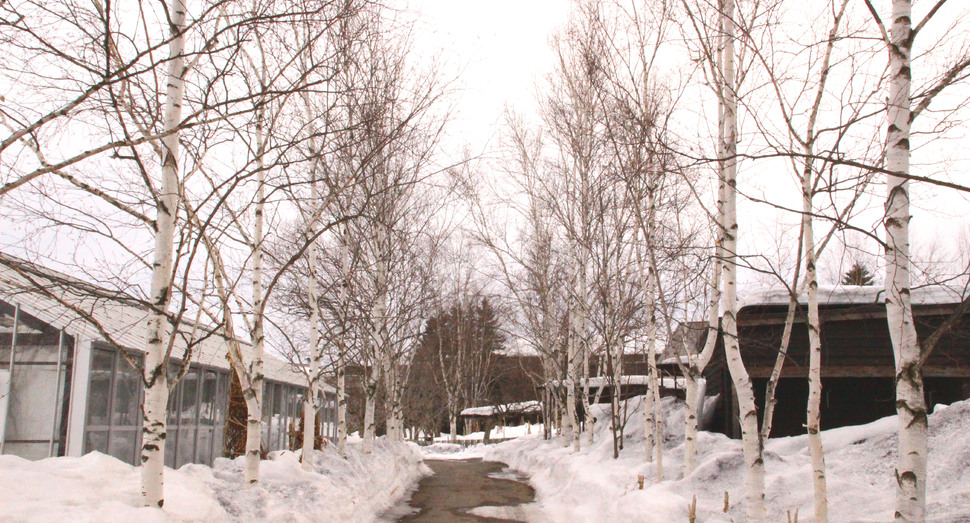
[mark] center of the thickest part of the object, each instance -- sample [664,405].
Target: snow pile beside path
[96,488]
[591,486]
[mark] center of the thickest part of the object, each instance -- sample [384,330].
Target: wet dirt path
[458,486]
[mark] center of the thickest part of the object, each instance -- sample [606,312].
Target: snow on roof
[633,379]
[685,359]
[851,295]
[121,315]
[521,407]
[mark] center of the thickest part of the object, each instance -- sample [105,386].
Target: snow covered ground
[96,487]
[585,486]
[591,486]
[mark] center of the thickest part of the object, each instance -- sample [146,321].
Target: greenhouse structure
[69,384]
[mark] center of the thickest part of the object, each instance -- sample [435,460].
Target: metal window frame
[111,428]
[13,353]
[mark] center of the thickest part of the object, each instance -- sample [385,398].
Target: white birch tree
[911,407]
[751,439]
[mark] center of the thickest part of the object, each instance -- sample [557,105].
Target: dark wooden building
[858,367]
[483,419]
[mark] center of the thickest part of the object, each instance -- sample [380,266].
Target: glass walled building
[65,389]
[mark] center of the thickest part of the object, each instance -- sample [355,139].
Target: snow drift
[97,488]
[591,486]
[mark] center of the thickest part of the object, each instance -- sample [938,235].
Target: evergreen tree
[857,275]
[454,363]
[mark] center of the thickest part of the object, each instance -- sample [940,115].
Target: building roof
[84,310]
[692,334]
[522,407]
[626,380]
[851,295]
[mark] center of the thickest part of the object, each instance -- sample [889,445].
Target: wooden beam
[859,371]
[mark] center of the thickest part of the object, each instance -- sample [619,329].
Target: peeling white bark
[570,423]
[370,403]
[910,400]
[751,439]
[698,362]
[649,410]
[657,414]
[155,407]
[814,415]
[316,352]
[254,404]
[342,345]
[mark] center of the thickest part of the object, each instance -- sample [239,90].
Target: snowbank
[96,487]
[591,486]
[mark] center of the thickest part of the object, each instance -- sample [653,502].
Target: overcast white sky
[500,50]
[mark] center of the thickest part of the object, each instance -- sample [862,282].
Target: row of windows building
[65,390]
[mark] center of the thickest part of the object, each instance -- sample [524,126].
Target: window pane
[99,389]
[122,445]
[173,402]
[186,446]
[222,397]
[269,390]
[96,440]
[173,407]
[188,406]
[30,410]
[171,445]
[207,399]
[205,446]
[217,439]
[279,417]
[127,400]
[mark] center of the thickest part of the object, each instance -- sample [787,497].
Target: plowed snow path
[470,490]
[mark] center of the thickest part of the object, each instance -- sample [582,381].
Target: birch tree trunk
[548,415]
[815,353]
[768,417]
[394,422]
[255,414]
[590,424]
[910,400]
[155,406]
[342,345]
[813,423]
[235,353]
[654,379]
[698,362]
[649,411]
[691,401]
[571,422]
[615,400]
[370,403]
[316,354]
[382,356]
[751,438]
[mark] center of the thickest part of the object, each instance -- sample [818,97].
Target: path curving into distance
[470,490]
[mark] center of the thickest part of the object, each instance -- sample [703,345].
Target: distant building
[858,368]
[483,419]
[66,390]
